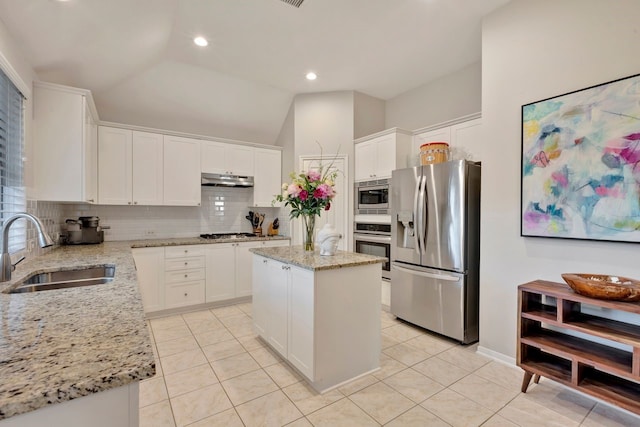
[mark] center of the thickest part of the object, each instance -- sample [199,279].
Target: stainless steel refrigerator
[435,247]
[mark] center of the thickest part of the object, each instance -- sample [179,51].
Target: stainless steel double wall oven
[372,228]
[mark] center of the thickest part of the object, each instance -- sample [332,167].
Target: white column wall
[532,50]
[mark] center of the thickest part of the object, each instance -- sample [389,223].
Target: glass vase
[309,224]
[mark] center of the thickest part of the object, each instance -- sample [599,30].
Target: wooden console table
[608,369]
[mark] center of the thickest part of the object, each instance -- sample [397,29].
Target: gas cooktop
[227,235]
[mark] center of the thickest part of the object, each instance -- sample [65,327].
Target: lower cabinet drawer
[184,263]
[179,295]
[184,276]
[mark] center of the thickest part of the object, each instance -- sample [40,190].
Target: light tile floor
[214,371]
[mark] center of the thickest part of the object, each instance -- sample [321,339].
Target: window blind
[12,191]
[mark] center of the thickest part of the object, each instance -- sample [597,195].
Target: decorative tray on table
[602,286]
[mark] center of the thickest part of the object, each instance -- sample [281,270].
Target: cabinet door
[268,171]
[148,168]
[365,160]
[277,278]
[150,270]
[259,305]
[90,157]
[114,170]
[220,271]
[301,325]
[181,171]
[240,160]
[385,156]
[466,136]
[212,158]
[58,117]
[244,275]
[437,135]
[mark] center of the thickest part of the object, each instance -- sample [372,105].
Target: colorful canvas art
[581,164]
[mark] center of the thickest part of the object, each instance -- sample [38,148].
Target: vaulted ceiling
[139,60]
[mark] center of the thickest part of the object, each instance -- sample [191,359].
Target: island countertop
[296,255]
[59,345]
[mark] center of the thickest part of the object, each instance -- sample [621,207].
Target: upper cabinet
[131,167]
[268,171]
[463,137]
[65,144]
[181,171]
[378,154]
[220,157]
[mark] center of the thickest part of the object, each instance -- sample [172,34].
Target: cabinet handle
[185,294]
[186,263]
[264,261]
[186,251]
[128,203]
[90,200]
[135,203]
[186,275]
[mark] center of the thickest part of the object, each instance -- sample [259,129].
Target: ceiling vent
[295,3]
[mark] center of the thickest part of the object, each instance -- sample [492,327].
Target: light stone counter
[62,344]
[198,241]
[296,255]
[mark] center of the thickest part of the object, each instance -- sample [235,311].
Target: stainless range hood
[220,180]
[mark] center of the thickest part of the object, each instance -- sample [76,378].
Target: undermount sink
[65,279]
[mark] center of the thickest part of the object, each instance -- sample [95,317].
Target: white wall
[532,51]
[368,115]
[452,96]
[286,140]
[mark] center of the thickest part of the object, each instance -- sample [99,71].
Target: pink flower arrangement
[309,193]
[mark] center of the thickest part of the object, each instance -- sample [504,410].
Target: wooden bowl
[601,286]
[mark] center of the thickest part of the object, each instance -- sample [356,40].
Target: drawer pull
[186,263]
[185,294]
[186,251]
[186,275]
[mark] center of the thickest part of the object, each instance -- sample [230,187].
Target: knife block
[257,231]
[272,231]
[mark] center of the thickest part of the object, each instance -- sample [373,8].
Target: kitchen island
[74,356]
[320,313]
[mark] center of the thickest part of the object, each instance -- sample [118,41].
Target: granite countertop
[296,255]
[59,345]
[198,241]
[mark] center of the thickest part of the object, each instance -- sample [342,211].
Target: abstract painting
[581,164]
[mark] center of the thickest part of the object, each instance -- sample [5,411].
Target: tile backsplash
[223,210]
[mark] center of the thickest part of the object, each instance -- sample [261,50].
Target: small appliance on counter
[85,230]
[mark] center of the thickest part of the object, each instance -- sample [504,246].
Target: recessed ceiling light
[311,75]
[201,41]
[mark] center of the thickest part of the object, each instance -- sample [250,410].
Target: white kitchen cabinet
[231,159]
[329,331]
[131,167]
[184,275]
[64,144]
[463,134]
[221,272]
[150,272]
[268,173]
[113,407]
[228,275]
[278,281]
[437,135]
[466,136]
[377,155]
[147,159]
[181,183]
[114,166]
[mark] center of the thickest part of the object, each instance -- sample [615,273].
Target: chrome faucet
[5,259]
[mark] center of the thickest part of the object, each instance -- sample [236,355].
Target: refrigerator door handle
[422,220]
[416,217]
[446,277]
